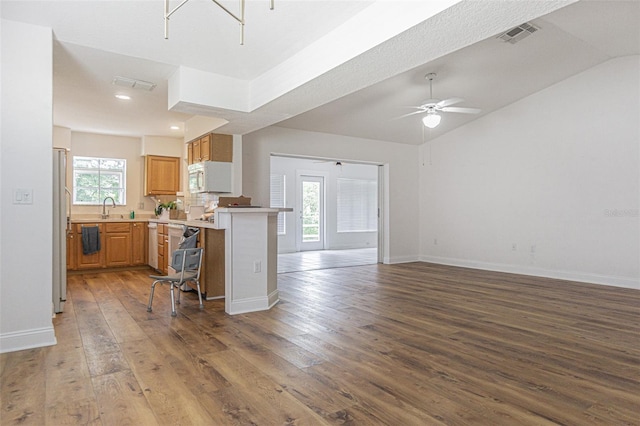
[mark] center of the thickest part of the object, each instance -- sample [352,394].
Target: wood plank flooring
[410,344]
[323,259]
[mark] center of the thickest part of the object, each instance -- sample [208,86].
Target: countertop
[194,223]
[109,220]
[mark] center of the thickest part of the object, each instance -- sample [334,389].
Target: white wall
[331,172]
[26,157]
[162,145]
[62,137]
[556,174]
[401,217]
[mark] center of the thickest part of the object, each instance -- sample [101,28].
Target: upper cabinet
[211,147]
[162,175]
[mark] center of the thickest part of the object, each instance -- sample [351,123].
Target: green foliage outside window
[94,179]
[310,211]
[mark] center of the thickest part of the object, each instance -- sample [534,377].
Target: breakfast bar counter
[251,257]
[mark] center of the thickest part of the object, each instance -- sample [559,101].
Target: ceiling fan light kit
[431,120]
[240,19]
[432,107]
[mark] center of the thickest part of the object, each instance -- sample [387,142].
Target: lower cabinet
[163,244]
[88,261]
[117,244]
[122,244]
[71,249]
[212,274]
[127,244]
[139,243]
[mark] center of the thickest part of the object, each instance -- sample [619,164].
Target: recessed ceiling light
[175,127]
[123,97]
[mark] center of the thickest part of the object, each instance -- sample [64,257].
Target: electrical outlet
[257,266]
[533,248]
[435,241]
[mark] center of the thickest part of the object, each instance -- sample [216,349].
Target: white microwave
[210,176]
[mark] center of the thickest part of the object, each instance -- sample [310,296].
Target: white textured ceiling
[489,74]
[344,67]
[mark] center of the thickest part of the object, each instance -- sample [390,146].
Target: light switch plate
[23,196]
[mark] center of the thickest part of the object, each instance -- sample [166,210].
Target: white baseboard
[27,339]
[274,297]
[538,272]
[253,304]
[401,259]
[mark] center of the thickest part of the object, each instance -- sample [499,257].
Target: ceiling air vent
[134,84]
[516,34]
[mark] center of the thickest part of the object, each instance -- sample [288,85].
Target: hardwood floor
[410,344]
[323,259]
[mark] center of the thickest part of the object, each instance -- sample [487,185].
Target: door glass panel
[310,211]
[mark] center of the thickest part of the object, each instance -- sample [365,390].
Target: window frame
[120,191]
[368,195]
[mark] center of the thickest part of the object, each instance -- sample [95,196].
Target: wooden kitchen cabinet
[221,147]
[89,261]
[163,248]
[205,148]
[117,244]
[210,147]
[122,244]
[71,250]
[162,175]
[197,152]
[139,243]
[212,273]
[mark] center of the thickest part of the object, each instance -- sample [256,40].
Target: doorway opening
[335,220]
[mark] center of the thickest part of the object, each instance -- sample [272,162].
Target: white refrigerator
[61,225]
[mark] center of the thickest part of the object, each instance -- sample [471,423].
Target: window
[278,199]
[357,205]
[97,178]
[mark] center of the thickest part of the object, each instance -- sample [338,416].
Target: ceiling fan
[433,106]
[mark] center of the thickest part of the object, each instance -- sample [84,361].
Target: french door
[310,212]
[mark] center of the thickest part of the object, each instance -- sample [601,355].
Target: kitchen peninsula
[250,255]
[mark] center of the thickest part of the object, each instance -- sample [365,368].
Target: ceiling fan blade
[429,103]
[461,109]
[447,102]
[421,111]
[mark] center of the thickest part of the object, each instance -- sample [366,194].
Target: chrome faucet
[113,204]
